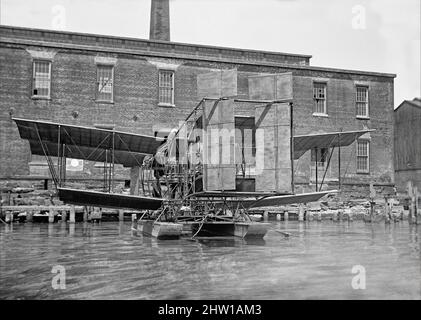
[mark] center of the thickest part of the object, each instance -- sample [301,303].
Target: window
[362,101]
[105,82]
[322,156]
[319,96]
[41,79]
[320,166]
[363,149]
[166,87]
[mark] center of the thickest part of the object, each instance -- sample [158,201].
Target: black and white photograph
[227,151]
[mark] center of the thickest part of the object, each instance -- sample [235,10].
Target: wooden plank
[35,208]
[219,145]
[273,143]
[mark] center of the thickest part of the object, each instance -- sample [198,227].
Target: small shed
[407,144]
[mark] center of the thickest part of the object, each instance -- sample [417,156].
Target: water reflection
[294,261]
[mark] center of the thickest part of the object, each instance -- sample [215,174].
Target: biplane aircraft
[230,155]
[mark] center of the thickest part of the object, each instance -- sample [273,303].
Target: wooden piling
[301,212]
[72,215]
[265,216]
[286,217]
[50,229]
[120,215]
[9,217]
[63,215]
[387,211]
[340,215]
[309,216]
[335,216]
[51,215]
[372,203]
[85,213]
[319,216]
[278,217]
[415,200]
[94,214]
[29,216]
[134,217]
[410,211]
[412,216]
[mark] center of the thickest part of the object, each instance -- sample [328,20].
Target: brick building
[141,85]
[408,144]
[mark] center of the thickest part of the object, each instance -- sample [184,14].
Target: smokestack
[160,20]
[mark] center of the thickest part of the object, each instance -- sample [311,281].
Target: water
[109,261]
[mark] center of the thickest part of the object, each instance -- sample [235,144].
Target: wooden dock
[68,213]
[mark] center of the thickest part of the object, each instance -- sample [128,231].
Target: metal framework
[171,190]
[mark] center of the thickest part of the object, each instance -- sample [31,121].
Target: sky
[369,35]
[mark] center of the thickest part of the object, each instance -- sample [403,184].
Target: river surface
[109,261]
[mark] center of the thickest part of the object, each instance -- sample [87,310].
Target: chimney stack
[160,20]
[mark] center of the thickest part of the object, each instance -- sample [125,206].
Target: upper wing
[303,143]
[86,143]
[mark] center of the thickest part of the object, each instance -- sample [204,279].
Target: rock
[314,206]
[333,205]
[57,202]
[21,201]
[358,210]
[360,202]
[22,190]
[43,193]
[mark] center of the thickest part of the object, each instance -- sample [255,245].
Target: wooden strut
[339,162]
[292,147]
[327,167]
[58,156]
[328,163]
[315,149]
[49,161]
[105,170]
[63,165]
[113,160]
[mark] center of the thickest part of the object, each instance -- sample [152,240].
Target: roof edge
[410,102]
[191,57]
[157,41]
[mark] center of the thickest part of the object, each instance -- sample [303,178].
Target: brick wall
[342,116]
[136,94]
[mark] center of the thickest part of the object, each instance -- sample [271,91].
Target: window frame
[166,104]
[322,168]
[324,156]
[36,96]
[97,93]
[325,109]
[367,157]
[367,102]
